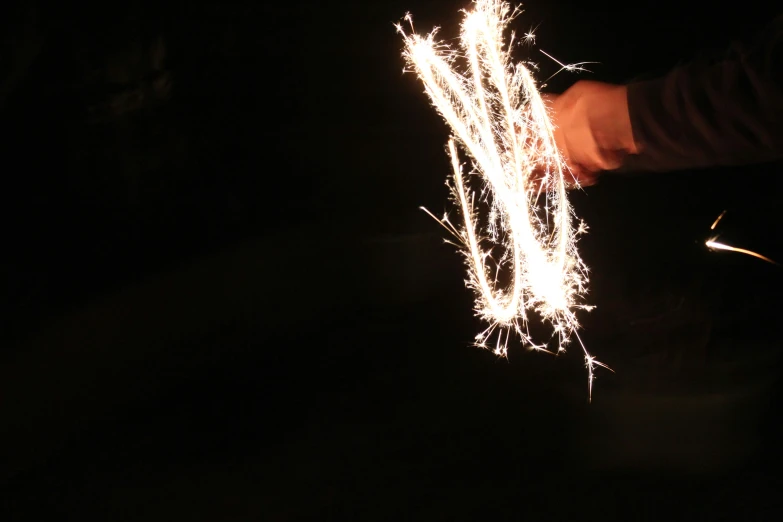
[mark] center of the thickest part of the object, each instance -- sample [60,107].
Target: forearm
[711,115]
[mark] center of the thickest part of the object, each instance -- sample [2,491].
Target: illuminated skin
[593,128]
[499,119]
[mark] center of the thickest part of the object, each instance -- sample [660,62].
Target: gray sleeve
[709,115]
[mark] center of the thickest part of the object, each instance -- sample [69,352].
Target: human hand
[592,128]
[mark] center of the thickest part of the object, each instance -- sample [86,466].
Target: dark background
[221,301]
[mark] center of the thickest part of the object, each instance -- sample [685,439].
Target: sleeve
[709,115]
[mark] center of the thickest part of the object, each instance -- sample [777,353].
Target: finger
[581,176]
[610,159]
[587,180]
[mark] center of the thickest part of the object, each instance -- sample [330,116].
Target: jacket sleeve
[709,115]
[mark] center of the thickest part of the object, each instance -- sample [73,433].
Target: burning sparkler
[497,116]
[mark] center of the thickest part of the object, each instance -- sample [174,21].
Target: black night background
[221,301]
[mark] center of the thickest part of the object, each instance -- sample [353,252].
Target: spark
[717,220]
[573,67]
[721,246]
[530,36]
[498,118]
[713,244]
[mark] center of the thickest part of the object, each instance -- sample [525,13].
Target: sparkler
[499,119]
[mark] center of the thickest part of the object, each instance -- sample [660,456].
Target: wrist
[612,121]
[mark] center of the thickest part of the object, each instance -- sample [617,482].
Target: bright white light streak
[713,244]
[721,246]
[527,234]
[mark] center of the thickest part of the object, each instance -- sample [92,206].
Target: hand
[592,128]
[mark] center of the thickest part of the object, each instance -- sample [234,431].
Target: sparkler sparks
[498,118]
[712,244]
[720,246]
[717,220]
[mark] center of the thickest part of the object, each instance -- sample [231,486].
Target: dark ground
[221,301]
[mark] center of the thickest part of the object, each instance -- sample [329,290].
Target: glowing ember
[712,244]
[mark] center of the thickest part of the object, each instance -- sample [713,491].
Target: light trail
[713,244]
[721,246]
[527,234]
[717,220]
